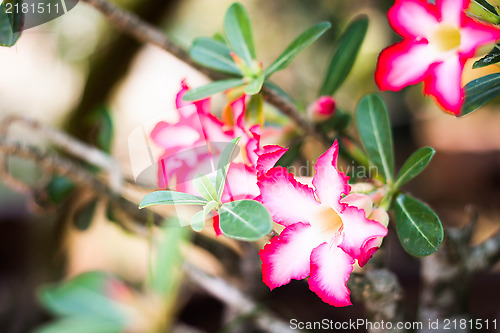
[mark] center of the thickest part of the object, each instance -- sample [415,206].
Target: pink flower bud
[321,109]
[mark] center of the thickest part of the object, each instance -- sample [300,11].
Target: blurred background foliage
[63,72]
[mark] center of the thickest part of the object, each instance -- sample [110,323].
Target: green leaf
[210,89]
[84,215]
[82,324]
[345,55]
[414,165]
[280,92]
[298,45]
[491,58]
[11,24]
[198,221]
[171,198]
[480,92]
[205,187]
[59,188]
[213,54]
[245,220]
[374,129]
[224,162]
[84,295]
[255,85]
[418,227]
[239,32]
[167,272]
[483,10]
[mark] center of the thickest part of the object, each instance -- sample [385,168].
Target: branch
[131,24]
[235,299]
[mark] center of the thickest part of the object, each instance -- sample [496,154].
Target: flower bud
[321,109]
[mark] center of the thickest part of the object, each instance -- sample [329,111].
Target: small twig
[72,146]
[134,26]
[234,298]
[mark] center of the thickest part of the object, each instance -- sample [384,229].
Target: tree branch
[131,24]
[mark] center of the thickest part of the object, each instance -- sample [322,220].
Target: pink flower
[195,141]
[438,39]
[325,231]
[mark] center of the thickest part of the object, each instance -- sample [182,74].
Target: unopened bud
[321,109]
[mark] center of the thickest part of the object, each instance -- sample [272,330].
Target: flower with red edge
[326,229]
[437,41]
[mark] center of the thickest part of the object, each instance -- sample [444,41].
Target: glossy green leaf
[414,165]
[205,187]
[298,45]
[374,129]
[245,220]
[480,92]
[491,58]
[483,10]
[255,85]
[210,89]
[239,32]
[224,161]
[84,215]
[82,324]
[419,228]
[345,55]
[84,295]
[167,272]
[213,54]
[11,24]
[171,198]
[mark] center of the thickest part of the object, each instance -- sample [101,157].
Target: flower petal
[413,18]
[452,11]
[444,83]
[241,183]
[174,137]
[280,192]
[475,34]
[287,256]
[268,158]
[329,183]
[360,200]
[330,271]
[404,64]
[357,230]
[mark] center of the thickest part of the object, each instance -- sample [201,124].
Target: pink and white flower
[190,147]
[437,41]
[326,229]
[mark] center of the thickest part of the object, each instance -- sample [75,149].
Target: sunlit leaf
[239,32]
[245,220]
[210,89]
[213,54]
[171,198]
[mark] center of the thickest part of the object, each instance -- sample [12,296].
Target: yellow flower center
[327,220]
[446,38]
